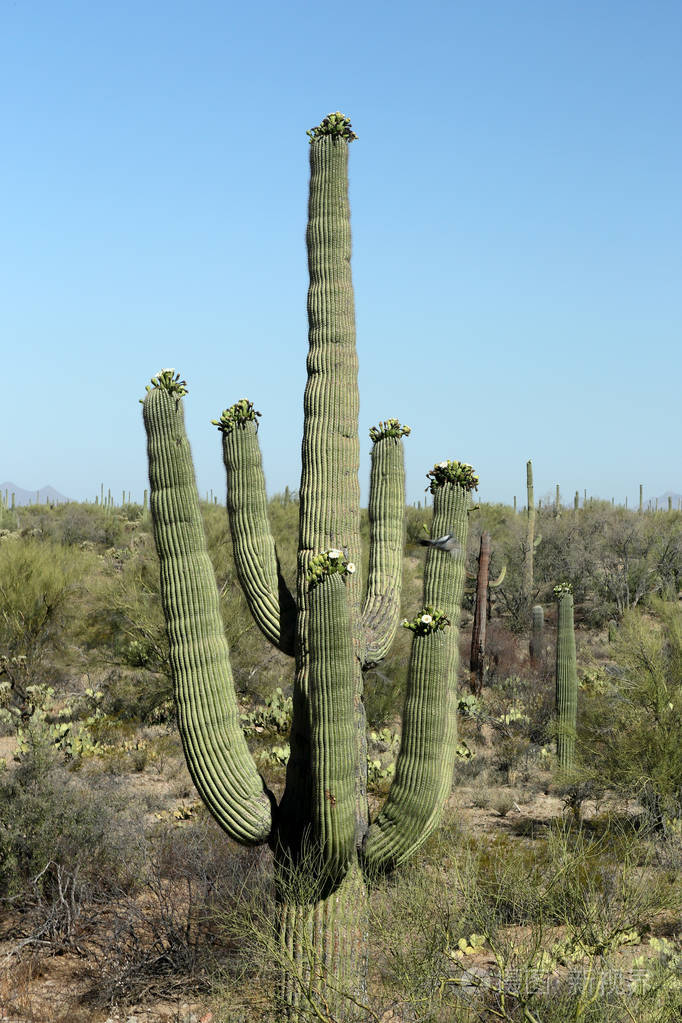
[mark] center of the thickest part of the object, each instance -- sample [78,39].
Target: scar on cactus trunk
[325,849]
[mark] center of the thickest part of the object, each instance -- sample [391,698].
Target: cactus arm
[423,774]
[381,609]
[208,717]
[271,604]
[494,583]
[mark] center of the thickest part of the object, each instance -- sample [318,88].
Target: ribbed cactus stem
[423,773]
[271,604]
[323,947]
[537,637]
[329,494]
[566,678]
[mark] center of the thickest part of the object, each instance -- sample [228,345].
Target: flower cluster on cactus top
[391,428]
[328,563]
[337,125]
[562,588]
[168,380]
[239,414]
[452,472]
[428,620]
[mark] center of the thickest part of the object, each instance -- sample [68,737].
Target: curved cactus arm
[208,716]
[381,608]
[271,604]
[424,766]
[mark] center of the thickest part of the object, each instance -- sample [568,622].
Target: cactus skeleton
[321,826]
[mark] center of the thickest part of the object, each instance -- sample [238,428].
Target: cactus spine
[324,846]
[566,677]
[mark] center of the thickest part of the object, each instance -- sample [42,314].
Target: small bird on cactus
[446,543]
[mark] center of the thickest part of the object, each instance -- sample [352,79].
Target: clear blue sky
[516,211]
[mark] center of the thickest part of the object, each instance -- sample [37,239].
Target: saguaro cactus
[324,846]
[566,677]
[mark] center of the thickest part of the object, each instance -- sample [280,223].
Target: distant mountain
[46,495]
[663,499]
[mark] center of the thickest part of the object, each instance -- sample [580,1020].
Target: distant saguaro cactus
[323,844]
[530,534]
[566,677]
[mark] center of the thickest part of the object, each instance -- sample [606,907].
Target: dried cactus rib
[271,604]
[217,755]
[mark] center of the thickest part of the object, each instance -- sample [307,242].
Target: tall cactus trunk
[566,678]
[321,800]
[477,662]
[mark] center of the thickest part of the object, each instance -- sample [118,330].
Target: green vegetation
[579,919]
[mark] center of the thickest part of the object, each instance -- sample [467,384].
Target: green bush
[50,818]
[630,727]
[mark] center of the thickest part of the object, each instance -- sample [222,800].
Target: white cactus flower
[334,554]
[426,619]
[350,567]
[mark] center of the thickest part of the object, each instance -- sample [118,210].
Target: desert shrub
[177,933]
[37,580]
[75,524]
[49,815]
[631,718]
